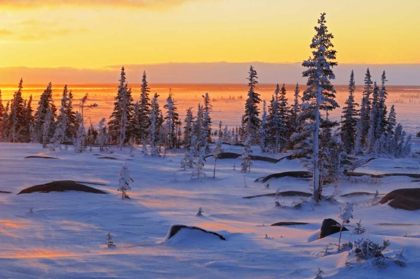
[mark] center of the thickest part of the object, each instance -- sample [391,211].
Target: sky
[93,37]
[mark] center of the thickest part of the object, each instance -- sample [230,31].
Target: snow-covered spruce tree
[188,159]
[29,119]
[246,157]
[274,122]
[102,137]
[71,116]
[358,147]
[172,121]
[373,119]
[124,181]
[79,141]
[391,121]
[198,164]
[144,108]
[5,128]
[382,109]
[365,109]
[349,119]
[122,113]
[264,129]
[62,123]
[188,128]
[284,115]
[217,151]
[319,96]
[46,112]
[294,112]
[16,119]
[330,157]
[134,125]
[207,107]
[250,120]
[220,132]
[154,128]
[199,132]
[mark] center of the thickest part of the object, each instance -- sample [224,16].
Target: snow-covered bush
[245,157]
[124,181]
[217,151]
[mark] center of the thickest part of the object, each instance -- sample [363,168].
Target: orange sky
[97,33]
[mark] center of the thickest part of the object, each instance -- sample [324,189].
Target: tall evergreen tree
[366,107]
[122,113]
[391,121]
[374,119]
[207,107]
[172,121]
[349,118]
[264,128]
[144,108]
[155,127]
[284,116]
[319,96]
[188,128]
[5,129]
[45,114]
[382,110]
[250,120]
[16,120]
[274,122]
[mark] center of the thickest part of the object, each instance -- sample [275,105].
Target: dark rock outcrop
[407,199]
[329,227]
[173,230]
[288,223]
[61,186]
[40,157]
[5,192]
[282,194]
[232,155]
[296,174]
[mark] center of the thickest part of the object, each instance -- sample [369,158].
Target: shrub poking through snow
[319,274]
[345,216]
[359,229]
[124,182]
[109,242]
[200,212]
[369,251]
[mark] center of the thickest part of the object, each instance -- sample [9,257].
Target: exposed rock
[288,223]
[359,194]
[231,155]
[107,158]
[61,186]
[329,227]
[408,199]
[5,192]
[282,194]
[296,174]
[40,157]
[412,175]
[173,230]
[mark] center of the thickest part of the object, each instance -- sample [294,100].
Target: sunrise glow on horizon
[94,34]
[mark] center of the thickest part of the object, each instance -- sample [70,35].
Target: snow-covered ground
[65,235]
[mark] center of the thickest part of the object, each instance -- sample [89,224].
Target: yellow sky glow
[93,33]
